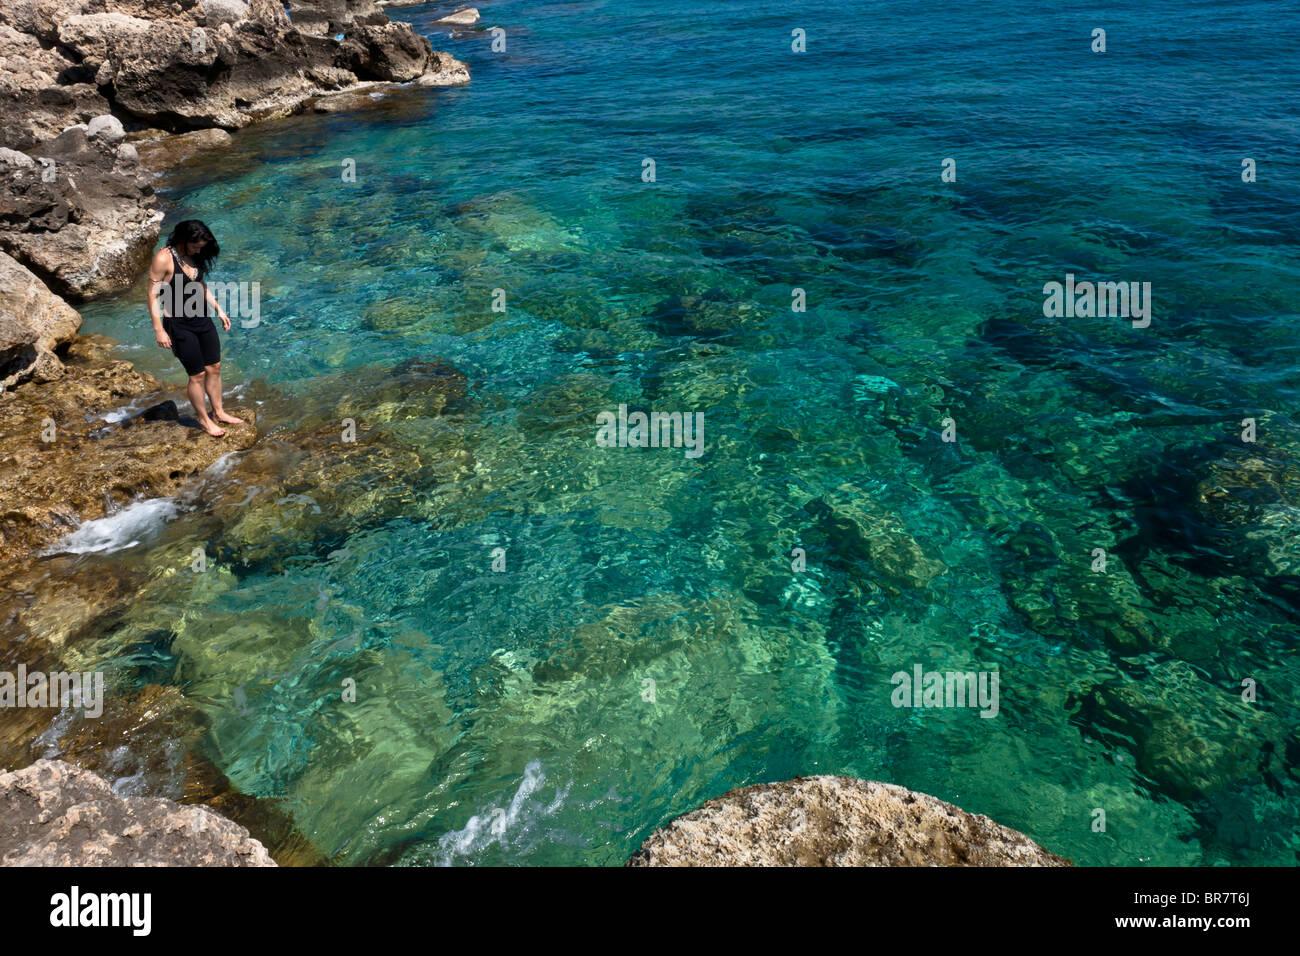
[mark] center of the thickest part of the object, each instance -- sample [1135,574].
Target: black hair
[192,230]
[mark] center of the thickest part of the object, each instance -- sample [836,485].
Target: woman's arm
[160,273]
[225,319]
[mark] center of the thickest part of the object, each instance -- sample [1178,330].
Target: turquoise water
[504,716]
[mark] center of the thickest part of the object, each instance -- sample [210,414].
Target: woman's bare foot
[227,418]
[211,428]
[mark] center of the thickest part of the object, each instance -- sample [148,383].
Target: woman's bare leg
[194,389]
[212,377]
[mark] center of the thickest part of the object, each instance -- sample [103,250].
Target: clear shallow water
[500,717]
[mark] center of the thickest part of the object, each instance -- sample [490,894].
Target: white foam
[496,824]
[220,467]
[117,532]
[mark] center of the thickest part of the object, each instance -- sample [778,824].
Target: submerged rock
[1251,497]
[1189,736]
[855,522]
[836,821]
[56,814]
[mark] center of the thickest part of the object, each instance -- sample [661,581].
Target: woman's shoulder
[162,259]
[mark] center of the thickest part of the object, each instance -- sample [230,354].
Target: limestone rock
[836,821]
[391,51]
[33,322]
[42,90]
[85,221]
[217,12]
[443,69]
[465,17]
[107,128]
[333,16]
[56,814]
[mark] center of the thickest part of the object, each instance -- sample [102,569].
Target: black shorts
[195,343]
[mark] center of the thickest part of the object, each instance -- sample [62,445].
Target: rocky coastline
[102,95]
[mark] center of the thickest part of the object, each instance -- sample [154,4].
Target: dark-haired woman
[181,306]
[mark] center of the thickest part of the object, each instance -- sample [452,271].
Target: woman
[179,303]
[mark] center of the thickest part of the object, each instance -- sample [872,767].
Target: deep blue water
[502,716]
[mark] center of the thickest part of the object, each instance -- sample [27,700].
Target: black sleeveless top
[180,290]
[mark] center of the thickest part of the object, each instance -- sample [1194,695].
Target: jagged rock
[389,51]
[84,221]
[195,64]
[12,159]
[33,322]
[333,16]
[41,18]
[42,90]
[836,821]
[443,69]
[56,814]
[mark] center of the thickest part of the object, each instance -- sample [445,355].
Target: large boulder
[56,814]
[390,51]
[83,216]
[444,69]
[836,821]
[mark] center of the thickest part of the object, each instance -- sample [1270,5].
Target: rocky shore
[97,106]
[99,96]
[836,821]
